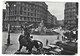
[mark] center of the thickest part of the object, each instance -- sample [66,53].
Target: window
[21,12]
[27,19]
[34,6]
[24,18]
[35,19]
[31,14]
[30,5]
[31,9]
[15,12]
[35,10]
[74,10]
[28,13]
[35,14]
[31,19]
[26,4]
[28,9]
[20,18]
[23,4]
[25,8]
[24,13]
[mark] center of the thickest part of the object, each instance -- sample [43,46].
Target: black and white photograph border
[50,33]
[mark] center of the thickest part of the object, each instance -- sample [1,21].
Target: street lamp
[8,39]
[14,5]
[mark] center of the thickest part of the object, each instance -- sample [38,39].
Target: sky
[55,8]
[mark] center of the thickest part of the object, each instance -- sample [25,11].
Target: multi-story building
[18,13]
[70,14]
[54,20]
[49,17]
[51,20]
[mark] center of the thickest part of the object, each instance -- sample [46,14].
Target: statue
[42,28]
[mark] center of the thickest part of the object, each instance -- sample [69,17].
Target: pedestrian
[46,42]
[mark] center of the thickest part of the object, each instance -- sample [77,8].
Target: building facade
[71,14]
[54,20]
[51,19]
[18,13]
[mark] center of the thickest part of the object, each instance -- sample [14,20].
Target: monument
[41,28]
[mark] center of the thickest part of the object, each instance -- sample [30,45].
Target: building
[51,20]
[18,12]
[54,20]
[49,17]
[21,12]
[71,14]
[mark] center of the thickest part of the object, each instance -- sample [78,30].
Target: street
[14,41]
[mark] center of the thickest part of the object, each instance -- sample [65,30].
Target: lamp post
[8,39]
[9,26]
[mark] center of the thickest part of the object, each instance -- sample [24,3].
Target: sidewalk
[13,40]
